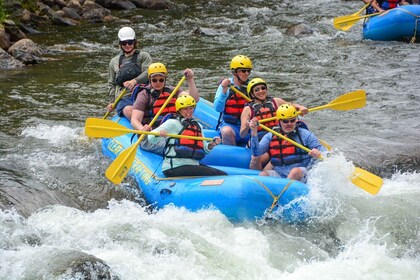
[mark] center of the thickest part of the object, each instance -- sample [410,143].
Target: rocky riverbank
[25,17]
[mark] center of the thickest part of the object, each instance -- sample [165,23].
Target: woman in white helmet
[126,70]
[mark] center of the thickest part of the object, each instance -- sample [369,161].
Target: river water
[53,175]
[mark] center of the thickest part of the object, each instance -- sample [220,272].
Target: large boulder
[299,30]
[13,30]
[4,38]
[26,51]
[152,4]
[8,62]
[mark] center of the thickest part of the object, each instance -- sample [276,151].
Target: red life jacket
[155,102]
[234,106]
[283,152]
[263,111]
[188,148]
[388,4]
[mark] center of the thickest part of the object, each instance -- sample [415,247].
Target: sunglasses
[127,42]
[158,80]
[287,121]
[257,89]
[244,70]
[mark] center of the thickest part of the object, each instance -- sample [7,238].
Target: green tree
[3,14]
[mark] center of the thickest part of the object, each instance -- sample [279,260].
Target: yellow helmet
[253,83]
[184,101]
[286,111]
[240,61]
[156,68]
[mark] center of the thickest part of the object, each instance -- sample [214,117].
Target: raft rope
[275,198]
[413,39]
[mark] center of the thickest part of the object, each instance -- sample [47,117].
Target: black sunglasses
[244,70]
[287,121]
[257,89]
[158,80]
[127,42]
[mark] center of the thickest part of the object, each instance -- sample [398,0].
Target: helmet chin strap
[237,76]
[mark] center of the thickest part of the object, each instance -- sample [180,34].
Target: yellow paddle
[116,102]
[119,168]
[346,22]
[348,101]
[360,177]
[100,128]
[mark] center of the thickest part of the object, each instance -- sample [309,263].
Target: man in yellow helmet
[182,155]
[231,104]
[288,160]
[148,99]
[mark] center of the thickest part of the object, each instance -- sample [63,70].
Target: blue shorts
[125,101]
[236,128]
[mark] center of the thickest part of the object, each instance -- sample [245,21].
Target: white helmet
[126,33]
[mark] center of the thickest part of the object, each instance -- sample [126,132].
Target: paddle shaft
[125,131]
[287,139]
[116,102]
[119,168]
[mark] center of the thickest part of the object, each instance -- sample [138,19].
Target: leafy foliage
[3,14]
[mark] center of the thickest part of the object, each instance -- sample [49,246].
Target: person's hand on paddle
[163,133]
[315,153]
[225,85]
[110,107]
[216,141]
[302,109]
[189,74]
[146,127]
[130,84]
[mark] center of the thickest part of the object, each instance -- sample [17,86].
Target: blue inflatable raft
[399,24]
[240,196]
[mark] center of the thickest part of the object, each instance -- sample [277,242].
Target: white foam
[56,135]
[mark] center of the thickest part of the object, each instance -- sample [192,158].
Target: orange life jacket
[155,102]
[283,152]
[263,111]
[234,106]
[188,148]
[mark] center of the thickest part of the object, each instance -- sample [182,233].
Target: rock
[13,30]
[8,62]
[152,4]
[71,13]
[76,6]
[300,29]
[26,51]
[60,19]
[96,15]
[4,38]
[60,3]
[122,5]
[56,263]
[205,32]
[29,30]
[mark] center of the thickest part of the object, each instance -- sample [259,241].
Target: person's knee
[295,174]
[228,136]
[227,131]
[264,173]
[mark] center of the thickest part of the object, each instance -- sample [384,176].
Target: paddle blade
[119,168]
[346,22]
[101,128]
[367,181]
[349,101]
